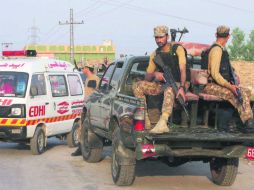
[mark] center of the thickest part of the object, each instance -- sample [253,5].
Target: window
[75,85]
[58,85]
[38,81]
[13,84]
[106,77]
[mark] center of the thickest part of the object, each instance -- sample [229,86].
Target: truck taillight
[139,125]
[139,119]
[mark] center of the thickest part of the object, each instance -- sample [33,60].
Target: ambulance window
[38,82]
[58,85]
[75,85]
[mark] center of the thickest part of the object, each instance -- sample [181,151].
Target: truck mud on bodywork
[113,116]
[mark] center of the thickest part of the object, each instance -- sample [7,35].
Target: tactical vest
[170,59]
[225,65]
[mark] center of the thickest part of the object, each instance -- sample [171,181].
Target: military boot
[161,126]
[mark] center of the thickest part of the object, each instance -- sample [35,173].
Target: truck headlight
[16,111]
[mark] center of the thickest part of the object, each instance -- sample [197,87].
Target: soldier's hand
[159,76]
[233,89]
[181,93]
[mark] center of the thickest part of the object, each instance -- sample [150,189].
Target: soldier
[154,78]
[88,71]
[220,77]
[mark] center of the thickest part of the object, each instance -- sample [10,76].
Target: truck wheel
[37,143]
[123,175]
[224,170]
[91,144]
[72,137]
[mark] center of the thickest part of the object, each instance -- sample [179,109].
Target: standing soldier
[152,85]
[89,72]
[220,76]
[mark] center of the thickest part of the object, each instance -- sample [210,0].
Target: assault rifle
[235,81]
[174,31]
[170,81]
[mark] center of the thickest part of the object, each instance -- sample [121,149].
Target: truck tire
[224,170]
[91,144]
[123,175]
[72,136]
[37,143]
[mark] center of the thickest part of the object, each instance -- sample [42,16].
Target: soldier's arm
[151,68]
[214,62]
[182,63]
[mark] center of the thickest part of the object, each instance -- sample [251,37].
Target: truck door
[110,92]
[98,97]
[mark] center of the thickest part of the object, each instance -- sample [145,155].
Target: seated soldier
[149,87]
[220,76]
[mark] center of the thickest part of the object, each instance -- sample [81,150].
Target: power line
[71,23]
[146,10]
[229,6]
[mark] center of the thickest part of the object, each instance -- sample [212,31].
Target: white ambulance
[39,98]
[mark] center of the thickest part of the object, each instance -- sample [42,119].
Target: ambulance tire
[72,137]
[37,143]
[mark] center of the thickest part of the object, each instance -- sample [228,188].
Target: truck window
[38,81]
[106,77]
[75,85]
[58,85]
[13,84]
[136,73]
[117,74]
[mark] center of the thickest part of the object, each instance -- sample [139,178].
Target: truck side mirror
[33,91]
[91,84]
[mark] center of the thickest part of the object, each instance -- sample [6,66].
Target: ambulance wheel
[73,136]
[224,170]
[37,143]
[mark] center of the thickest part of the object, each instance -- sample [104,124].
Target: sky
[128,23]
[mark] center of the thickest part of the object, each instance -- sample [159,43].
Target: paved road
[57,170]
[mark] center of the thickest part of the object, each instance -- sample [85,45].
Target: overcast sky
[128,23]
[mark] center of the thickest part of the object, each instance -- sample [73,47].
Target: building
[83,54]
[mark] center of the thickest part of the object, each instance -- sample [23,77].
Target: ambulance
[39,98]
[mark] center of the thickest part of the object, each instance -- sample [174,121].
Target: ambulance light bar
[26,53]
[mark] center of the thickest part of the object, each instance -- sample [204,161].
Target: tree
[249,54]
[237,48]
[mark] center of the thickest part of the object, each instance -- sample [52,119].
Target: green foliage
[239,49]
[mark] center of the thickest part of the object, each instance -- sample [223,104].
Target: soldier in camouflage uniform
[154,77]
[220,77]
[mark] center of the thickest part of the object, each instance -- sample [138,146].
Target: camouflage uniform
[218,61]
[244,110]
[142,88]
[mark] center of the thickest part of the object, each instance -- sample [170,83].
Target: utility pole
[71,23]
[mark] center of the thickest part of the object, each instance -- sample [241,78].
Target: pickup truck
[113,116]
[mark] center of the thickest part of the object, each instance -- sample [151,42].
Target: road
[57,170]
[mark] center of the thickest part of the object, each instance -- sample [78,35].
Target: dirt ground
[57,170]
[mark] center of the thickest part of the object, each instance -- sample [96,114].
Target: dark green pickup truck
[113,116]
